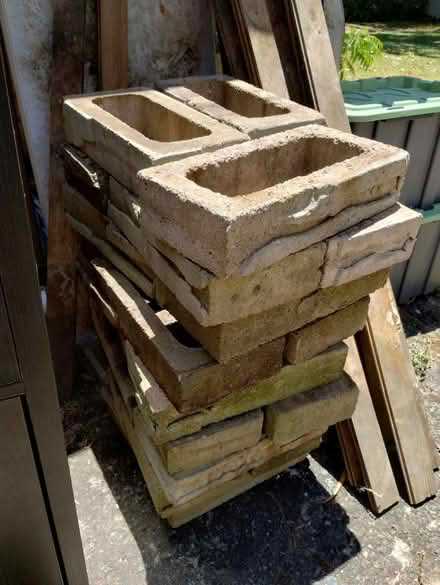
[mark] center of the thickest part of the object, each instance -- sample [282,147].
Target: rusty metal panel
[9,372]
[27,551]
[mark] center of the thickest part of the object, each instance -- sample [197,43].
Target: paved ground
[283,532]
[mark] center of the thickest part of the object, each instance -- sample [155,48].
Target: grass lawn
[409,49]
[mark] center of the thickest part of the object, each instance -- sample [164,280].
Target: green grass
[409,49]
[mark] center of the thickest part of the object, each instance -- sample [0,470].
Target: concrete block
[188,375]
[318,336]
[228,299]
[245,107]
[319,408]
[186,486]
[213,443]
[246,207]
[165,423]
[213,495]
[229,340]
[377,243]
[125,131]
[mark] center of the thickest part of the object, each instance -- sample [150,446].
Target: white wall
[27,29]
[166,38]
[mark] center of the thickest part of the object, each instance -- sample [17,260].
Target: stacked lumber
[232,244]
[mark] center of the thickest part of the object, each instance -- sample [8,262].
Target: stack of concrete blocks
[235,240]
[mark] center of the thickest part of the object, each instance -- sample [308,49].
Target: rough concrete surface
[283,532]
[227,209]
[239,104]
[126,131]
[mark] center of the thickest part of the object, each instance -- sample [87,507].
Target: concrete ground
[284,532]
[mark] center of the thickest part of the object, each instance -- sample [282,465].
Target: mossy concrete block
[318,408]
[165,423]
[318,336]
[213,443]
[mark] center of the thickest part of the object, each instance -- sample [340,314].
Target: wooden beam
[67,75]
[363,436]
[308,25]
[391,380]
[260,46]
[113,44]
[309,36]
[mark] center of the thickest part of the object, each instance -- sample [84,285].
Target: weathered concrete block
[189,376]
[228,299]
[140,279]
[319,408]
[245,107]
[199,501]
[165,423]
[184,486]
[248,206]
[125,131]
[229,340]
[213,443]
[377,243]
[318,336]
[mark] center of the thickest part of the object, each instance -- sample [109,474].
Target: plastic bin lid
[383,98]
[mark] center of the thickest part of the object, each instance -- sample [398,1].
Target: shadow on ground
[287,530]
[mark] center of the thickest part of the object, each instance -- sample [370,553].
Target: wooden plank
[22,295]
[113,44]
[27,553]
[307,23]
[367,438]
[291,59]
[63,242]
[308,19]
[234,62]
[391,380]
[263,52]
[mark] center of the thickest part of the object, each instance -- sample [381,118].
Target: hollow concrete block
[243,106]
[246,207]
[126,131]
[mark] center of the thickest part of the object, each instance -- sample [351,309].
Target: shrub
[384,10]
[360,50]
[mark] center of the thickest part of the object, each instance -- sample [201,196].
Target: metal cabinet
[39,533]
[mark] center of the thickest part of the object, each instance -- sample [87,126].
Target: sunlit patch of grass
[409,49]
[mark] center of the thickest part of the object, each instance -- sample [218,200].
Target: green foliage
[384,10]
[360,50]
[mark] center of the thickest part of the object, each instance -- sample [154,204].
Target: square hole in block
[234,98]
[150,118]
[260,169]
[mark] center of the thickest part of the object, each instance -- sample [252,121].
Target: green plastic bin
[405,112]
